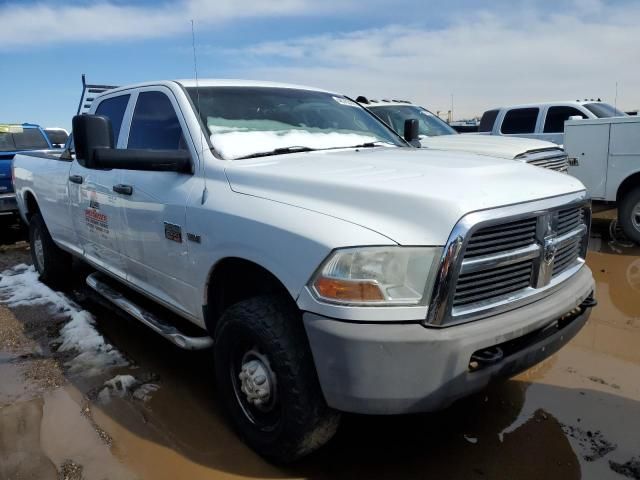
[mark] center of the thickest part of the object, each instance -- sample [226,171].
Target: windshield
[26,139]
[56,137]
[395,115]
[604,110]
[250,121]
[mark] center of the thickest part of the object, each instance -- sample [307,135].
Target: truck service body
[334,267]
[605,157]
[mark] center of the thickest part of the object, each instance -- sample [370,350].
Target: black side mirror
[411,129]
[89,133]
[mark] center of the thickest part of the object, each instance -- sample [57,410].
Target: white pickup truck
[434,132]
[331,267]
[604,154]
[542,121]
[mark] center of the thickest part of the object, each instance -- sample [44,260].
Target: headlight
[377,276]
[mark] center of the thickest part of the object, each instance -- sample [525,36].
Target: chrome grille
[502,238]
[569,253]
[480,286]
[552,160]
[569,219]
[501,263]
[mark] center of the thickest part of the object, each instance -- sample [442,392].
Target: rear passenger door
[555,116]
[155,240]
[520,122]
[96,208]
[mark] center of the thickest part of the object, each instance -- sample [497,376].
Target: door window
[155,125]
[520,120]
[487,120]
[556,116]
[114,108]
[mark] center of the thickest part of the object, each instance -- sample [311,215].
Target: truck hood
[491,145]
[412,196]
[6,185]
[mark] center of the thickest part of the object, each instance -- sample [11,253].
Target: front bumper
[406,368]
[8,204]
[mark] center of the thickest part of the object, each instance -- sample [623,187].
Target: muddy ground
[152,412]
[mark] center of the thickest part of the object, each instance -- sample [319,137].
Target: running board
[168,331]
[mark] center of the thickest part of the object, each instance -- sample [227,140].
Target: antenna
[195,70]
[615,101]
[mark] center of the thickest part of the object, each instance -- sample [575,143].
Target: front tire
[629,214]
[52,263]
[267,381]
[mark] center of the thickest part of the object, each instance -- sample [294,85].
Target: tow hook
[589,302]
[485,357]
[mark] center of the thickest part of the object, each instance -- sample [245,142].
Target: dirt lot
[86,392]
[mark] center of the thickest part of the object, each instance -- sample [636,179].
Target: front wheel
[267,380]
[52,263]
[629,214]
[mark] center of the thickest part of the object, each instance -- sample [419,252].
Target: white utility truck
[330,266]
[433,132]
[604,153]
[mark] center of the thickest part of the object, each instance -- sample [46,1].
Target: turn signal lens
[332,288]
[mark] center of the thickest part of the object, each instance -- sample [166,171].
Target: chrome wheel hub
[257,381]
[39,251]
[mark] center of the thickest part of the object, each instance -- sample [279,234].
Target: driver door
[154,239]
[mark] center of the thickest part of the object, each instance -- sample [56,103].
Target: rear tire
[629,214]
[284,416]
[52,263]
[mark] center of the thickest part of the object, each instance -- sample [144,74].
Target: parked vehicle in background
[604,154]
[465,126]
[436,133]
[57,136]
[330,266]
[543,121]
[14,139]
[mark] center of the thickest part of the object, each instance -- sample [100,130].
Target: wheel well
[627,185]
[235,279]
[31,205]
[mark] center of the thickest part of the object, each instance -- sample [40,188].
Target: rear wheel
[52,263]
[267,381]
[629,214]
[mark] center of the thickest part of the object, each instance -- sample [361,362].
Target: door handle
[76,179]
[123,189]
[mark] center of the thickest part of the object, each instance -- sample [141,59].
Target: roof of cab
[233,82]
[548,104]
[216,82]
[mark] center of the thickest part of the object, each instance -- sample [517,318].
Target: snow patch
[235,142]
[145,392]
[121,385]
[470,439]
[20,286]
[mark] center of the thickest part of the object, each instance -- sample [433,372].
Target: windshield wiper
[370,144]
[279,151]
[300,148]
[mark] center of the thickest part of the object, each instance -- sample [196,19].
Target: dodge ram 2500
[331,267]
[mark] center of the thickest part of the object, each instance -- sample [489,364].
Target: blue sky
[485,53]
